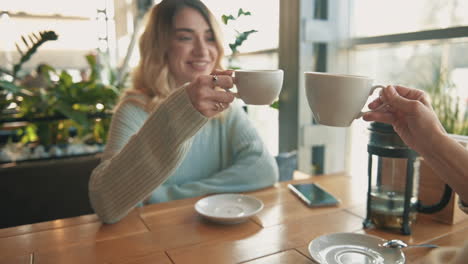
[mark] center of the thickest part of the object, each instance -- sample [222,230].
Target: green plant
[53,103]
[7,84]
[451,112]
[240,37]
[35,41]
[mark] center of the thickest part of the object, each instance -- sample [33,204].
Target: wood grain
[24,259]
[267,241]
[59,238]
[174,233]
[60,223]
[290,256]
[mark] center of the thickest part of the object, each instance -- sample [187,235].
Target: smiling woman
[168,139]
[193,47]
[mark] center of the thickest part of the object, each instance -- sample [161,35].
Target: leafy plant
[447,106]
[35,41]
[54,104]
[240,38]
[7,85]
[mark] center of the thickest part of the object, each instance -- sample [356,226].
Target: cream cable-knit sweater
[174,153]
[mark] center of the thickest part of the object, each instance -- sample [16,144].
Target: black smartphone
[313,195]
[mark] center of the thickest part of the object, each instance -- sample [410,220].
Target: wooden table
[174,233]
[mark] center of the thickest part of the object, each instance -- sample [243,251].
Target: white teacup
[337,99]
[258,87]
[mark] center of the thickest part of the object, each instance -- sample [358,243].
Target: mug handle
[234,81]
[378,108]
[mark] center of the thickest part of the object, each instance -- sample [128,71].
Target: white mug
[337,99]
[258,87]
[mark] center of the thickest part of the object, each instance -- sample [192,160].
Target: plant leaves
[67,110]
[5,71]
[241,37]
[44,36]
[65,78]
[275,104]
[242,12]
[9,86]
[92,62]
[227,18]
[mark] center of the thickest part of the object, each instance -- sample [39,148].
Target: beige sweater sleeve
[148,158]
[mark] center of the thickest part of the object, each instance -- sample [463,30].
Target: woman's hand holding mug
[205,96]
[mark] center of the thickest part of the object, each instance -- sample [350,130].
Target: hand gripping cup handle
[382,106]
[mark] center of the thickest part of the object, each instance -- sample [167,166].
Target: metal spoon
[396,243]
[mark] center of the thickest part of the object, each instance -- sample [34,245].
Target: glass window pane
[257,61]
[417,65]
[382,17]
[82,8]
[72,34]
[264,20]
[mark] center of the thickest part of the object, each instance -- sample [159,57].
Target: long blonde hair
[152,76]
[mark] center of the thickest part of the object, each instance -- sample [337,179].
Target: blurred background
[418,43]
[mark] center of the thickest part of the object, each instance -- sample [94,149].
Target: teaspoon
[396,243]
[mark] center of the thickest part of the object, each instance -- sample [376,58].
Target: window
[409,43]
[77,23]
[382,17]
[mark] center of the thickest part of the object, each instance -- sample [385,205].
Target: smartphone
[313,195]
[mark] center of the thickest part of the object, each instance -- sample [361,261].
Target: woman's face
[192,51]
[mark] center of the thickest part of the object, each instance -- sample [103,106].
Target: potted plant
[55,109]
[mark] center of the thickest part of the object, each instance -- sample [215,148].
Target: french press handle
[430,209]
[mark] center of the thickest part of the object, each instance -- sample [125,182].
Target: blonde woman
[178,132]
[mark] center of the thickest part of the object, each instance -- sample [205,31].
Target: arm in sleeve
[131,170]
[251,166]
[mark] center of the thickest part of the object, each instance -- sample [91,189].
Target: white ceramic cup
[337,99]
[258,87]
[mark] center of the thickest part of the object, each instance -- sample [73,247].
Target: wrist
[435,145]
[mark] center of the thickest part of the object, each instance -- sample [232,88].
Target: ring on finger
[215,79]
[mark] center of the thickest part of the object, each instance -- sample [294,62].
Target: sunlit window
[265,20]
[76,23]
[414,63]
[382,17]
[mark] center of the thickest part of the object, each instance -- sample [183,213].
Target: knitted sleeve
[138,160]
[250,167]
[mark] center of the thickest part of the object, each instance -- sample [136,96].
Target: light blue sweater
[175,153]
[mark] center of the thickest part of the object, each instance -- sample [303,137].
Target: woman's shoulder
[132,99]
[136,97]
[131,105]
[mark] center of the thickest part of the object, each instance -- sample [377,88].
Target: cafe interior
[343,192]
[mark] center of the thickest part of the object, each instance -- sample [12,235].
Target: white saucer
[228,208]
[347,248]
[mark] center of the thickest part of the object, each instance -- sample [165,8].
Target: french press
[393,170]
